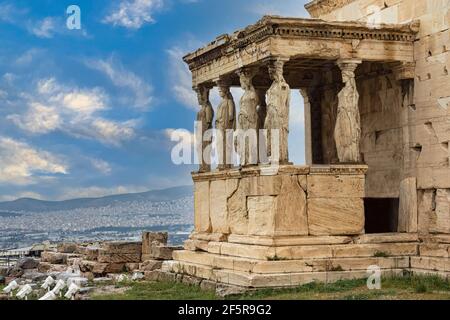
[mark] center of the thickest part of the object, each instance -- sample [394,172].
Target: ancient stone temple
[375,189]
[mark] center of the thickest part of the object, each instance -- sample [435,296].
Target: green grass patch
[158,291]
[395,288]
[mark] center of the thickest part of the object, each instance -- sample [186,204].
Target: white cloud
[26,194]
[38,119]
[133,14]
[21,164]
[28,56]
[181,79]
[95,191]
[9,13]
[73,110]
[123,78]
[101,165]
[44,28]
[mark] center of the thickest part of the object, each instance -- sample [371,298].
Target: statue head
[224,89]
[246,76]
[202,95]
[276,69]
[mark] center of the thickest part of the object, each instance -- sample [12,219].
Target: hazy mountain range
[33,205]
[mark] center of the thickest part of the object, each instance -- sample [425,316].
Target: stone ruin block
[107,257]
[153,238]
[150,265]
[67,247]
[158,252]
[54,257]
[120,247]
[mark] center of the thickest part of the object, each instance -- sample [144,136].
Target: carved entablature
[318,8]
[301,40]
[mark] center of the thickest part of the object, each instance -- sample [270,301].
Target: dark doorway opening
[381,215]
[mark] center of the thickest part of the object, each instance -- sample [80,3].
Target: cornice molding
[275,26]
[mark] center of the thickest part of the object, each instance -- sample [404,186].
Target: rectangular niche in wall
[381,215]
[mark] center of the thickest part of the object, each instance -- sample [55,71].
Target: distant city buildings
[121,220]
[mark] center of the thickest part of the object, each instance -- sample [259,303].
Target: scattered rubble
[87,263]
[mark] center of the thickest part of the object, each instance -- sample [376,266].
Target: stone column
[205,120]
[247,135]
[308,129]
[347,133]
[225,124]
[277,119]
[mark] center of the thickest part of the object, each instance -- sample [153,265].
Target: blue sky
[89,112]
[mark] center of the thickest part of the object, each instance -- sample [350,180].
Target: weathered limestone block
[88,252]
[150,265]
[290,216]
[387,238]
[289,240]
[407,214]
[434,250]
[119,247]
[44,267]
[372,250]
[218,237]
[196,245]
[440,218]
[218,207]
[151,238]
[261,213]
[133,266]
[67,247]
[98,268]
[303,182]
[264,185]
[201,206]
[159,252]
[54,257]
[106,257]
[237,207]
[341,186]
[431,263]
[303,252]
[425,210]
[338,216]
[245,251]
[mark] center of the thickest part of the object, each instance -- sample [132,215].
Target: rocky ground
[89,265]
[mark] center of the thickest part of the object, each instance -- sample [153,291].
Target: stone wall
[295,201]
[424,126]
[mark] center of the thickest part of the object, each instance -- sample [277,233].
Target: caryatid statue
[262,113]
[248,119]
[225,124]
[205,119]
[347,133]
[278,100]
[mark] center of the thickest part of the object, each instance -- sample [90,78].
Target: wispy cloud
[75,111]
[95,191]
[123,78]
[45,28]
[133,14]
[9,13]
[21,164]
[181,78]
